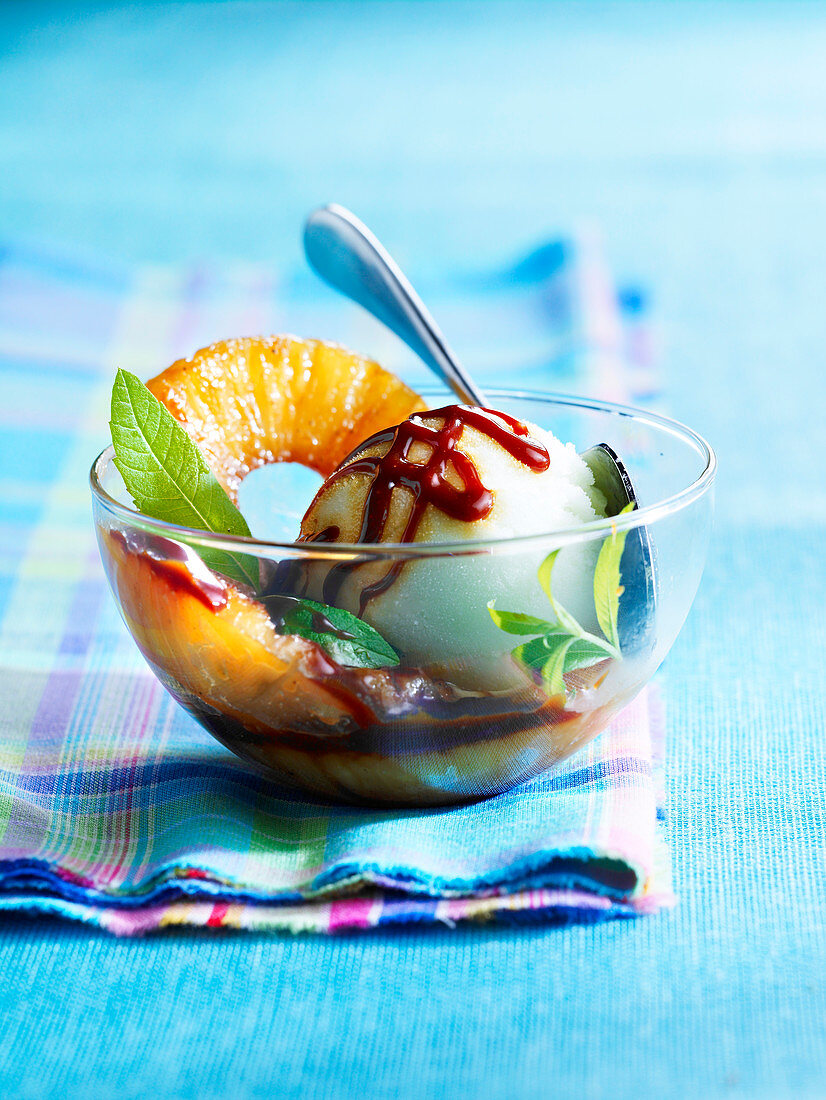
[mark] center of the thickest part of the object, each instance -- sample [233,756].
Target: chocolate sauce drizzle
[427,481]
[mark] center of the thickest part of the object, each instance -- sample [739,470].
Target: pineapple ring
[255,400]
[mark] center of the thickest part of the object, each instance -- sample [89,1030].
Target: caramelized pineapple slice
[210,641]
[254,400]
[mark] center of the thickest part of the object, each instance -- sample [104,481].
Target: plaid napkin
[116,808]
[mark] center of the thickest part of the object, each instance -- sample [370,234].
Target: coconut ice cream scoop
[447,475]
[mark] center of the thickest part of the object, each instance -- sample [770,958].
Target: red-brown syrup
[178,565]
[427,481]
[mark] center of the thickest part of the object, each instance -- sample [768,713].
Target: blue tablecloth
[696,137]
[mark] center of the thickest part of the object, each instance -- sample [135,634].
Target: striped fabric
[115,807]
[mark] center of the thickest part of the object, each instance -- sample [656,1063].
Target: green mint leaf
[346,638]
[169,478]
[544,573]
[565,619]
[541,654]
[607,586]
[584,653]
[554,667]
[535,653]
[514,622]
[564,646]
[167,474]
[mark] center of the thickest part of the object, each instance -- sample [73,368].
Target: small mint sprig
[347,639]
[557,648]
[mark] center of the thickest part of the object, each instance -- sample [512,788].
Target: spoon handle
[344,252]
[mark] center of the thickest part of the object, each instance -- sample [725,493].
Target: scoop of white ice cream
[449,476]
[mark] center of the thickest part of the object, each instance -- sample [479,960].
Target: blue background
[465,132]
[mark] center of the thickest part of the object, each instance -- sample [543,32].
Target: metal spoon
[345,254]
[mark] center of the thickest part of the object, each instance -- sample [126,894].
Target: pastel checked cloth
[116,808]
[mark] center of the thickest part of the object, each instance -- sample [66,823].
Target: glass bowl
[478,719]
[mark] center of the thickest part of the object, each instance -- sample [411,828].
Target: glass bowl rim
[644,516]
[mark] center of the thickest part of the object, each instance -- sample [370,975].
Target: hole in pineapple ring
[274,498]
